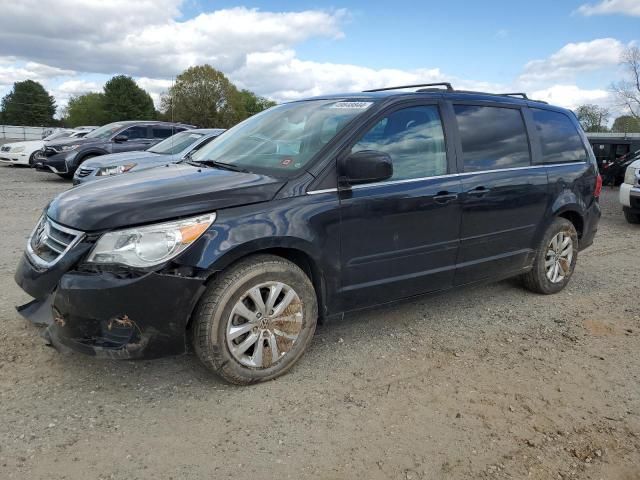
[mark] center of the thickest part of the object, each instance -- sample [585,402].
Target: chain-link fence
[12,132]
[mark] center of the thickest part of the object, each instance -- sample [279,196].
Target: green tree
[125,100]
[626,124]
[203,96]
[252,103]
[86,109]
[28,103]
[593,118]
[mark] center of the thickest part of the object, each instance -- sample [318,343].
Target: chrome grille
[49,242]
[83,172]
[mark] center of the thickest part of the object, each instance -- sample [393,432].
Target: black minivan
[309,210]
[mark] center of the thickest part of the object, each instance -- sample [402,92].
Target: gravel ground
[489,382]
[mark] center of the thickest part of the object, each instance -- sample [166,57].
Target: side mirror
[120,138]
[366,166]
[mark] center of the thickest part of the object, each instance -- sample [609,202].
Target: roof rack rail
[447,85]
[515,94]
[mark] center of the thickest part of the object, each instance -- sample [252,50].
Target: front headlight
[65,148]
[150,245]
[17,149]
[631,175]
[114,170]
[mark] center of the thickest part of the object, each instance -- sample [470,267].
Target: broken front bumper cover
[107,316]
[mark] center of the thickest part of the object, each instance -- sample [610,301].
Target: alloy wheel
[264,324]
[558,258]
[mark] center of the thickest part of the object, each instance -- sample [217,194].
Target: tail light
[598,189]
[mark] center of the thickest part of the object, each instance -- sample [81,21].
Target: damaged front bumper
[115,315]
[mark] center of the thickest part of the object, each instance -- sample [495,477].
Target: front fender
[308,224]
[75,160]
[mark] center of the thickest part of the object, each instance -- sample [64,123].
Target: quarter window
[492,138]
[559,138]
[413,138]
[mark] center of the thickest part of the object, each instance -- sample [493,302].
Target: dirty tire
[214,310]
[536,279]
[631,217]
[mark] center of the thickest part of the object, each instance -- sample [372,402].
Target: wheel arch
[299,256]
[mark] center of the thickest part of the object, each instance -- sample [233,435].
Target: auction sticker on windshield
[352,105]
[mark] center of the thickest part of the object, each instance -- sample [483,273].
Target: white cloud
[151,41]
[608,7]
[78,87]
[145,38]
[155,87]
[571,96]
[11,71]
[572,59]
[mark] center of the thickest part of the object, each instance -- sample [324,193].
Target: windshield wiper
[221,165]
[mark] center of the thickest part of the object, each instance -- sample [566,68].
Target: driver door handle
[445,197]
[478,191]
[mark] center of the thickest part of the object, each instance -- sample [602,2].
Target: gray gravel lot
[489,382]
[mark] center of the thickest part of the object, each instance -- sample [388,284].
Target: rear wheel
[630,216]
[555,259]
[256,320]
[32,158]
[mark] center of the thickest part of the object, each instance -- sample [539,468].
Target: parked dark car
[309,210]
[64,156]
[177,148]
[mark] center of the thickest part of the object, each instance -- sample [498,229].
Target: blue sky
[564,51]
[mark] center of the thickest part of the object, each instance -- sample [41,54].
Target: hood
[73,141]
[124,158]
[28,144]
[158,194]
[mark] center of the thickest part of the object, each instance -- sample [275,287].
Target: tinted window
[163,132]
[559,137]
[492,138]
[414,139]
[135,132]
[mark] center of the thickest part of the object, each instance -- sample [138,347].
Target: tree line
[201,95]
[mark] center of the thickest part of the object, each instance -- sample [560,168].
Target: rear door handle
[445,197]
[479,191]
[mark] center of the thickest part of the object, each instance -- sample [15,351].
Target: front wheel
[555,259]
[255,321]
[630,216]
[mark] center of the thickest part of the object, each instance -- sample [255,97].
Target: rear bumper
[112,315]
[590,228]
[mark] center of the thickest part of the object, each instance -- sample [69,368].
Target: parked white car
[23,153]
[630,193]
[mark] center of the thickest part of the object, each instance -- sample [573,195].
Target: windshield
[176,143]
[105,131]
[282,139]
[53,136]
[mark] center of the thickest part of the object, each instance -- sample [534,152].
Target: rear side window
[559,137]
[135,132]
[492,138]
[414,139]
[164,132]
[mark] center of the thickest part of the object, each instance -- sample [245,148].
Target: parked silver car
[171,150]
